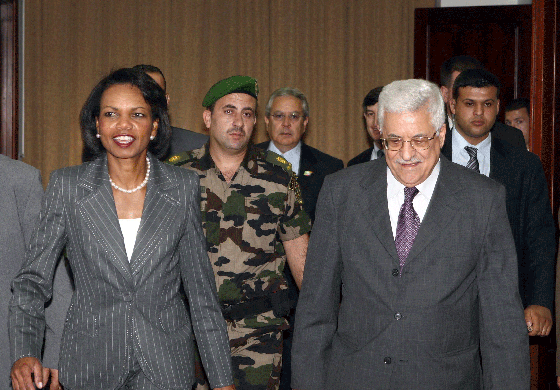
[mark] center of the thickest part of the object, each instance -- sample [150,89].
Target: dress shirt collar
[293,155]
[425,189]
[451,122]
[460,155]
[374,152]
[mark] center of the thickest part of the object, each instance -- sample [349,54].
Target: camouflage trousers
[256,353]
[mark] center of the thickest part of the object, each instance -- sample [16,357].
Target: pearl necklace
[142,185]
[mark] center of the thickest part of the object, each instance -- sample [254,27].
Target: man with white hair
[411,274]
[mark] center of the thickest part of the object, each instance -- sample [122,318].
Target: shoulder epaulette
[179,159]
[276,159]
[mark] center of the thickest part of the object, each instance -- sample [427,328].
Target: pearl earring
[152,137]
[97,135]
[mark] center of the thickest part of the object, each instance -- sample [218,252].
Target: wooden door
[8,78]
[499,37]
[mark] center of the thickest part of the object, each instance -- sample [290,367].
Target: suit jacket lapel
[158,216]
[97,208]
[375,188]
[307,162]
[499,165]
[442,209]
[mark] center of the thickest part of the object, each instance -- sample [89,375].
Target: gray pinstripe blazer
[121,309]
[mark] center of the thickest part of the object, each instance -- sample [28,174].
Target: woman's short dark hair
[153,94]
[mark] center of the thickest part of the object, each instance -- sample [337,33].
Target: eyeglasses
[417,143]
[293,117]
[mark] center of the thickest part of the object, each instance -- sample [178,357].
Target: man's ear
[445,93]
[452,104]
[498,104]
[207,117]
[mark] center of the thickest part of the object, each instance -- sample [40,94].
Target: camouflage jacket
[246,220]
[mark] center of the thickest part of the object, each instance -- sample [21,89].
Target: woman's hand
[27,370]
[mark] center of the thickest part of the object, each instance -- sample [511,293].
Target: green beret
[233,84]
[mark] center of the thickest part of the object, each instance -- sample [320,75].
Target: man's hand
[539,320]
[232,387]
[23,370]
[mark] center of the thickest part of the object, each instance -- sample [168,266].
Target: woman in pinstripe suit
[131,228]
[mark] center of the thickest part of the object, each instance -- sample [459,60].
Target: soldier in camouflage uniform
[254,221]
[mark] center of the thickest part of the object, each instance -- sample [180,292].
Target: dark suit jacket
[453,321]
[319,165]
[20,202]
[184,140]
[363,157]
[119,307]
[530,217]
[510,134]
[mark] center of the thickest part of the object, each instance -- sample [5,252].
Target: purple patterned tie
[407,226]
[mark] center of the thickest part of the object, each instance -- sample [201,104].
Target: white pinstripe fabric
[120,308]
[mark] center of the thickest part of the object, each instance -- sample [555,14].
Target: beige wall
[334,51]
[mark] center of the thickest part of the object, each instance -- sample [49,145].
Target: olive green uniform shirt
[246,220]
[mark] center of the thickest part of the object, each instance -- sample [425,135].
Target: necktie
[473,161]
[407,226]
[380,153]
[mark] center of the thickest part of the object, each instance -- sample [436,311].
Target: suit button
[387,360]
[398,316]
[395,272]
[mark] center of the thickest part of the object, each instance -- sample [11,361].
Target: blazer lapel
[307,163]
[442,209]
[375,188]
[97,208]
[158,215]
[499,165]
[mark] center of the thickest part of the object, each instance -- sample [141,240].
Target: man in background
[286,119]
[517,115]
[475,106]
[181,139]
[370,106]
[452,68]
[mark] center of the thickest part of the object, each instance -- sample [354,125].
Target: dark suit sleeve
[540,240]
[198,279]
[504,342]
[317,311]
[32,287]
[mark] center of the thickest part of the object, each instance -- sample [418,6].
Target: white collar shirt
[460,156]
[395,196]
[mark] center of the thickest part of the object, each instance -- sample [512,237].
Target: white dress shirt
[293,156]
[460,156]
[395,196]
